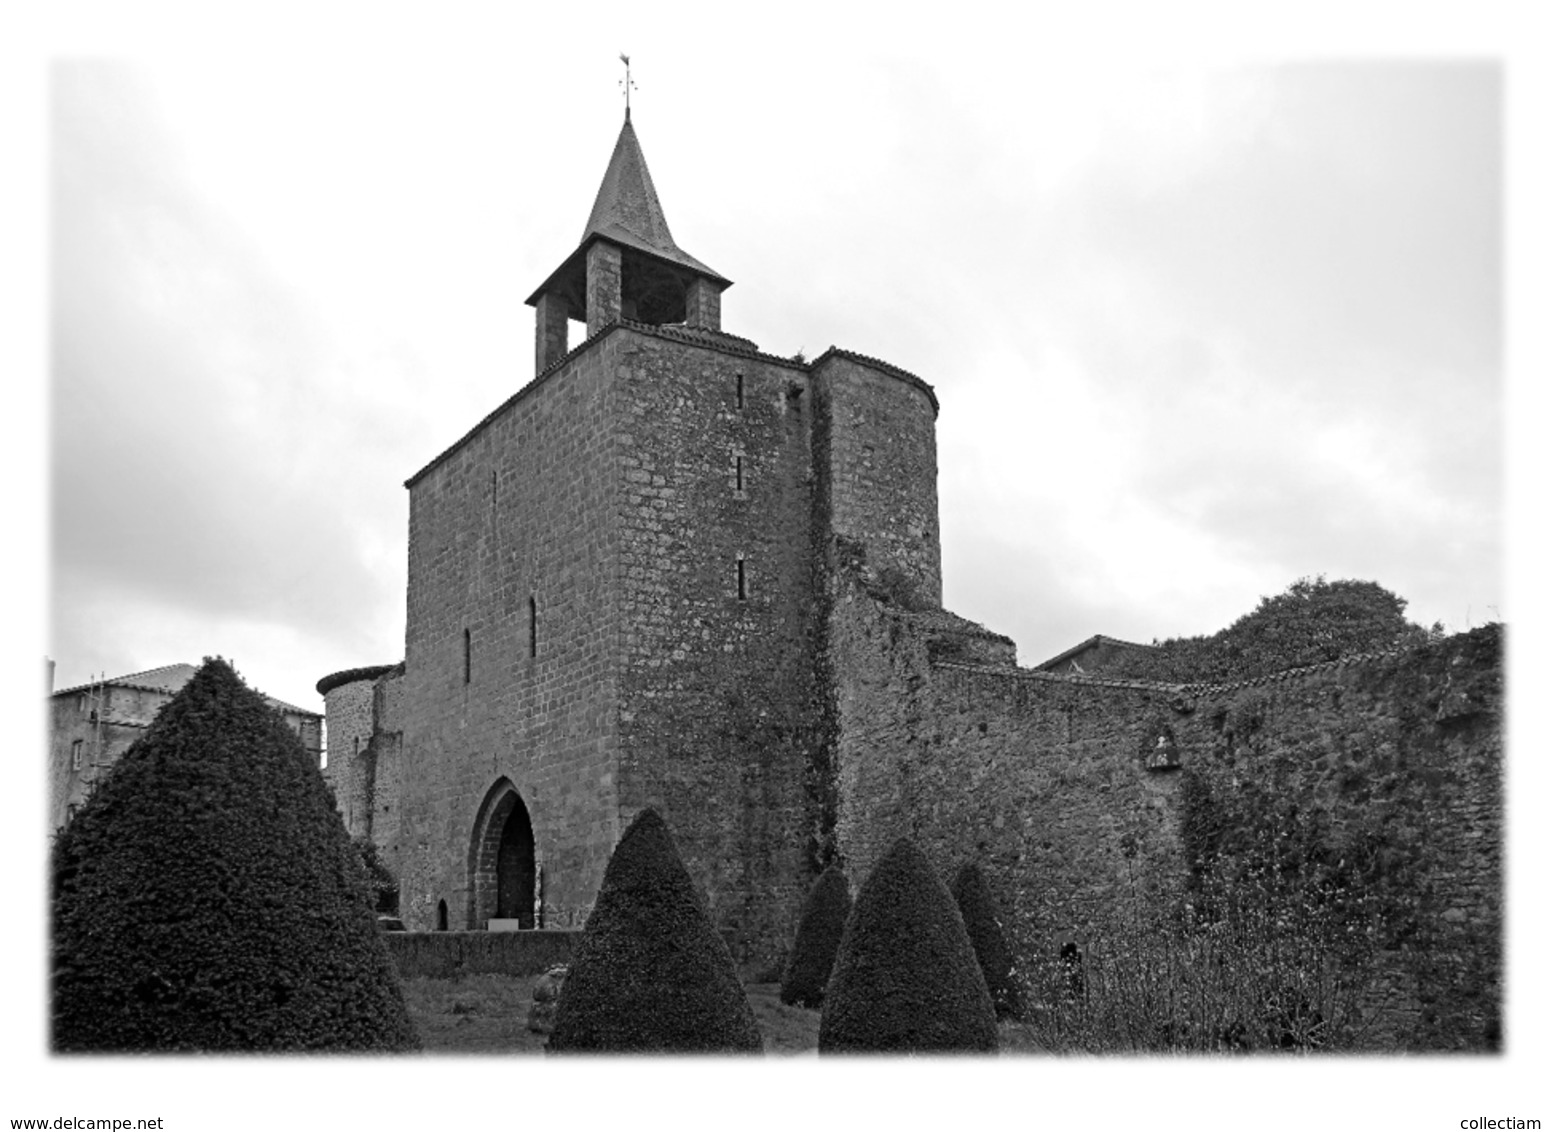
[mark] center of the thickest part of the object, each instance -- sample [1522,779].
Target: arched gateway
[501,860]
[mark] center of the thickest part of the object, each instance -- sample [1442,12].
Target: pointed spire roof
[627,198]
[626,211]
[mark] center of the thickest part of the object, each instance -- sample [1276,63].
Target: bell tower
[627,265]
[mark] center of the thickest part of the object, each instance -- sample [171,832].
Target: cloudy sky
[1197,330]
[1211,301]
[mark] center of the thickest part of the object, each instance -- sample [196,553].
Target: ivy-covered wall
[1087,801]
[1386,772]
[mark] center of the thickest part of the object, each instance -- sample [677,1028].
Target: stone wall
[351,720]
[1401,756]
[718,681]
[446,955]
[1038,779]
[513,541]
[123,715]
[877,465]
[387,755]
[1046,782]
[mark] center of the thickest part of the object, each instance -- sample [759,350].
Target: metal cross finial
[626,83]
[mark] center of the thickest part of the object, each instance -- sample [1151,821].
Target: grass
[474,1014]
[489,1014]
[486,1014]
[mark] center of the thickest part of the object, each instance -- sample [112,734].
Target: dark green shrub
[1313,621]
[650,973]
[906,979]
[820,925]
[983,922]
[207,897]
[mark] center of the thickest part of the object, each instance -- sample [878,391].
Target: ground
[489,1014]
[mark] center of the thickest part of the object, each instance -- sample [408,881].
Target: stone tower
[619,595]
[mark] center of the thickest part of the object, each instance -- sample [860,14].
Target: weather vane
[626,83]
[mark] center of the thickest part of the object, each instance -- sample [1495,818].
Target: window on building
[738,389]
[743,589]
[533,626]
[738,473]
[468,656]
[75,755]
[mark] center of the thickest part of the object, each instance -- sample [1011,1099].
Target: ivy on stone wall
[1246,845]
[380,881]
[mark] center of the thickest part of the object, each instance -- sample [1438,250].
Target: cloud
[191,458]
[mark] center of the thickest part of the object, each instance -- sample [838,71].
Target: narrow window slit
[739,380]
[738,473]
[468,656]
[743,591]
[533,626]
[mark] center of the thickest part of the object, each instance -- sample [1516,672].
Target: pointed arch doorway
[502,860]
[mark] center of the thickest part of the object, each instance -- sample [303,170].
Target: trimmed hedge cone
[978,909]
[208,898]
[906,978]
[820,925]
[650,973]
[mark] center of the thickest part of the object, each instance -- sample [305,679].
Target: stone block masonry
[879,469]
[351,767]
[717,681]
[603,287]
[511,633]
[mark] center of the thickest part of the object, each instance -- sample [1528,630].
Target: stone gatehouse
[672,570]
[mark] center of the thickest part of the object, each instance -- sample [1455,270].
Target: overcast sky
[1212,296]
[1196,331]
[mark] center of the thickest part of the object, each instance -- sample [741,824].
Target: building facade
[617,594]
[92,725]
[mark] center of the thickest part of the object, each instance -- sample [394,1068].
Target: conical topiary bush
[207,897]
[650,973]
[906,979]
[820,925]
[978,909]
